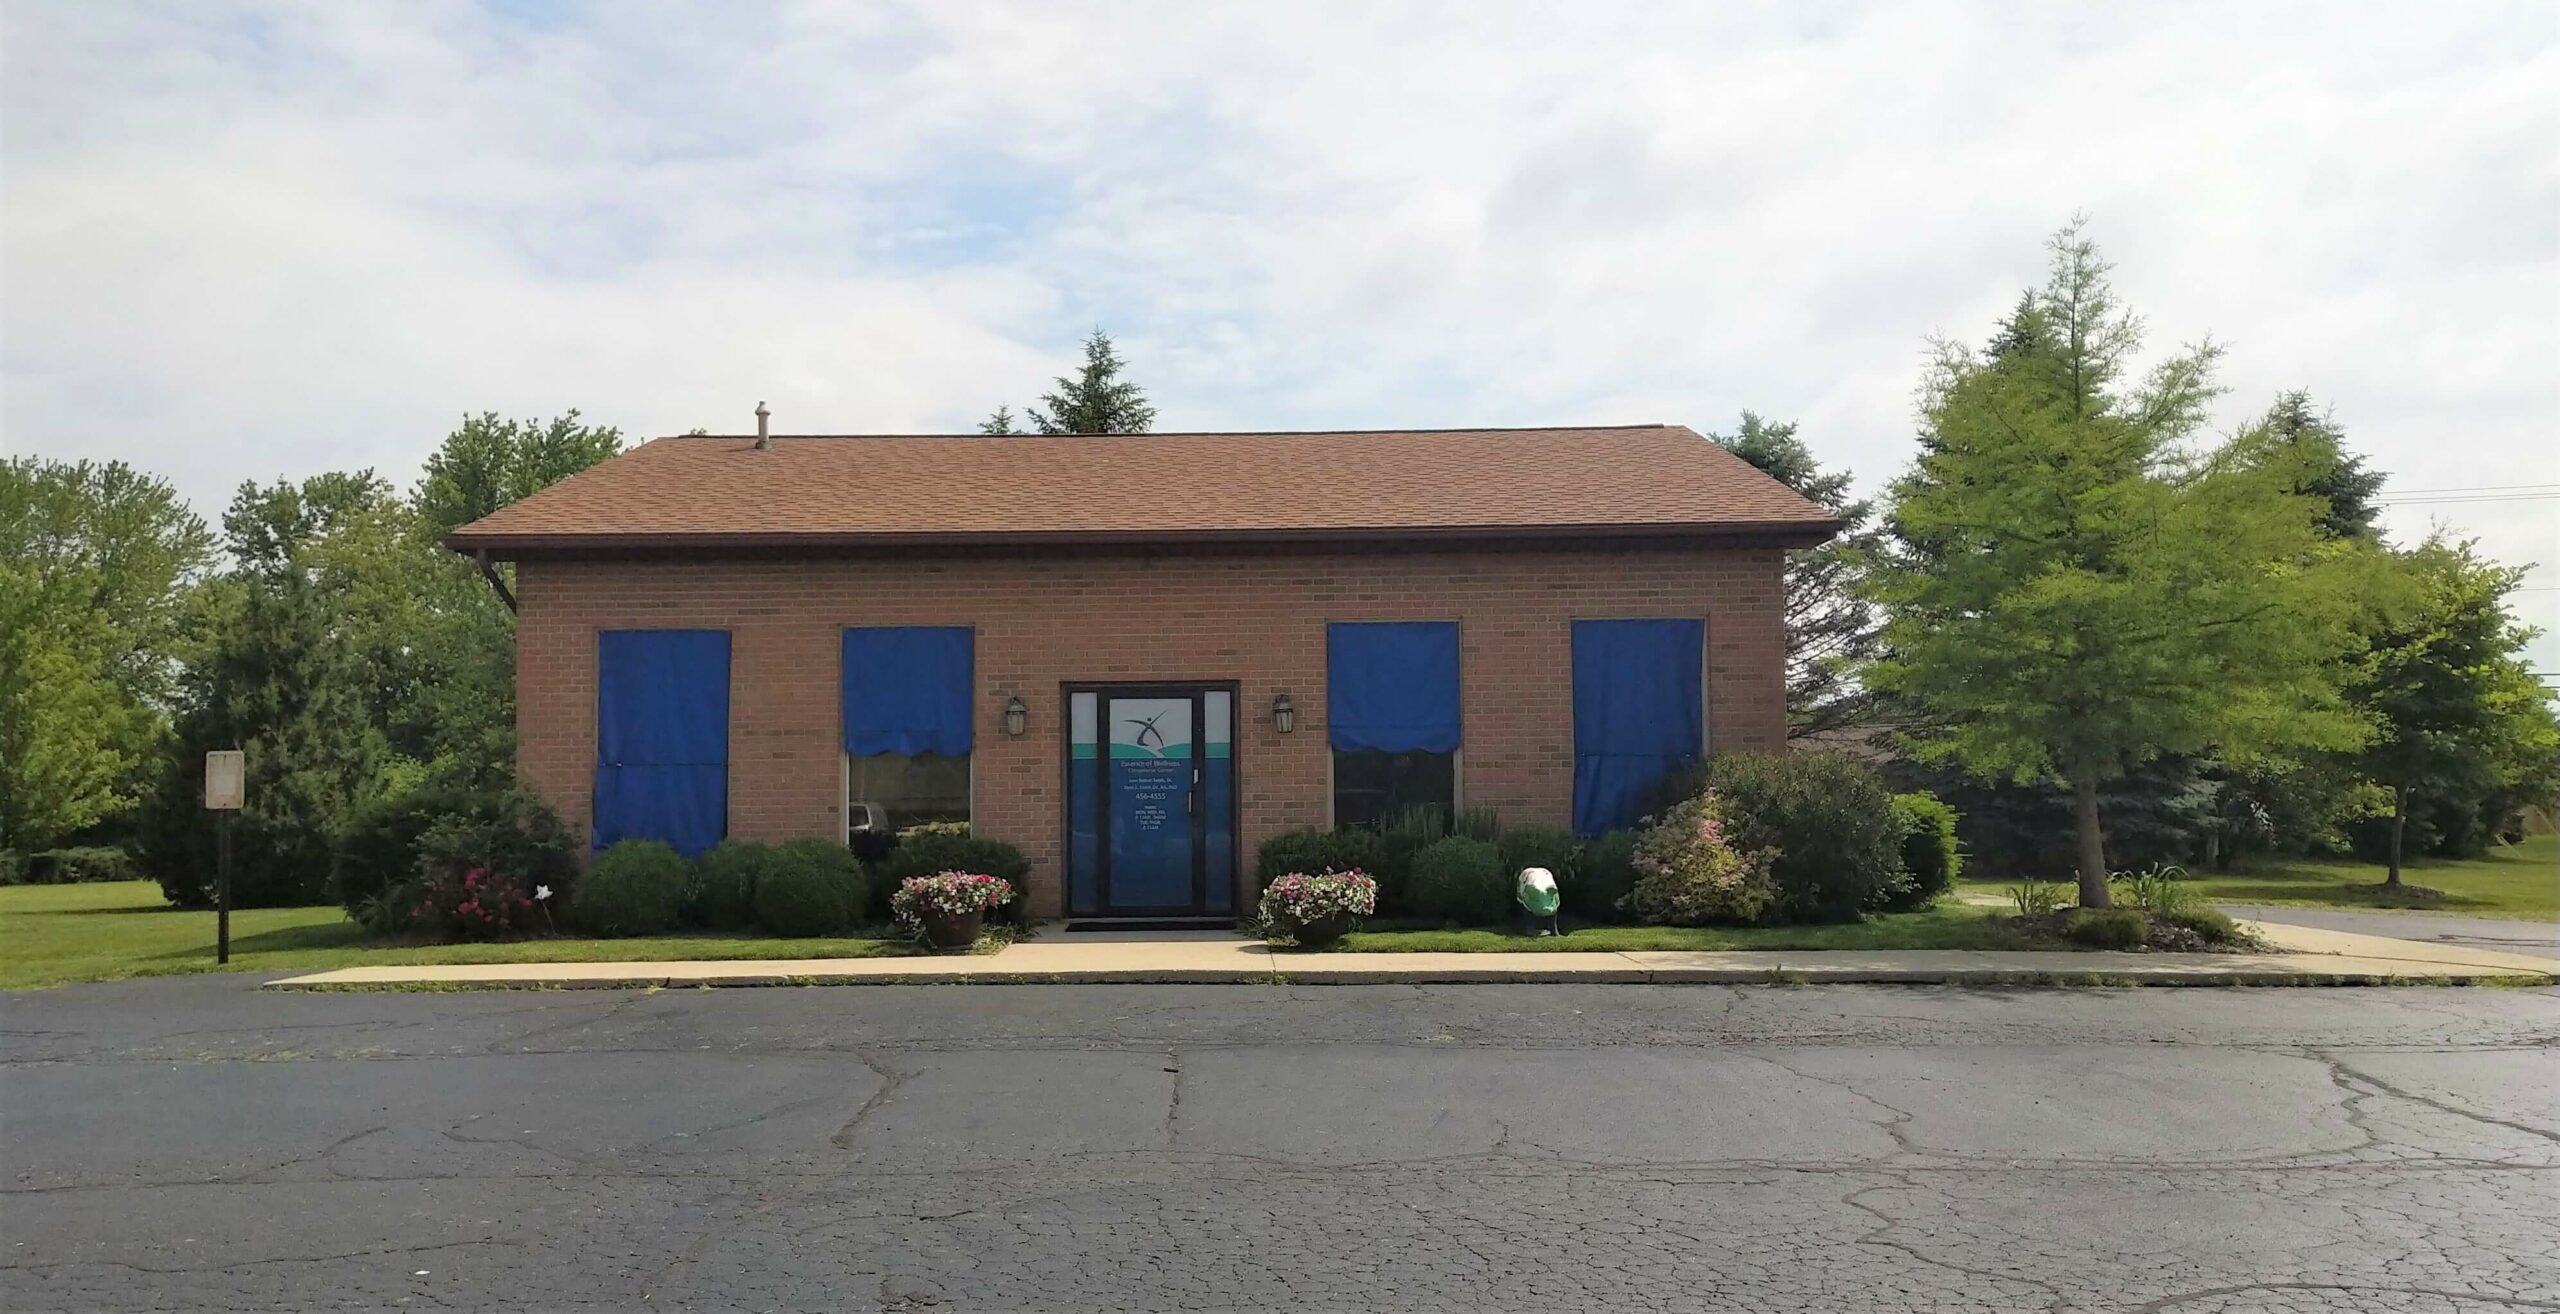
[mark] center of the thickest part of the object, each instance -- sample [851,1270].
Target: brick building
[1136,657]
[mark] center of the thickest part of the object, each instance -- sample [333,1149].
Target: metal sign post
[225,782]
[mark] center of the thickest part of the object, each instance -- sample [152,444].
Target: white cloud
[244,240]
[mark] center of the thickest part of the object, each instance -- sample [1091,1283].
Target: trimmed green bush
[1459,879]
[1829,821]
[2108,928]
[723,897]
[636,887]
[927,850]
[1551,847]
[1603,877]
[81,865]
[1315,852]
[1305,850]
[1930,857]
[811,887]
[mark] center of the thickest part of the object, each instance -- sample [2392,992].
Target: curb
[1786,976]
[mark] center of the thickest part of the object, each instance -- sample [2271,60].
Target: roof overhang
[512,547]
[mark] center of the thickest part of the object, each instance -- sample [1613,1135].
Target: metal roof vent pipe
[764,431]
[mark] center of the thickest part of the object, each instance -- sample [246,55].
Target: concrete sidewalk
[2296,956]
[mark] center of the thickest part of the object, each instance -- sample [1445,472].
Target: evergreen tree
[1830,629]
[2333,474]
[999,423]
[1095,399]
[2081,593]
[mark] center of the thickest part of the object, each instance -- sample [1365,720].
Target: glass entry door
[1151,801]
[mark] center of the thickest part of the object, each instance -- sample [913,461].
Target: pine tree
[1830,629]
[999,423]
[1095,399]
[2333,474]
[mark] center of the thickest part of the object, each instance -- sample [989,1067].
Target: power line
[2470,488]
[2479,497]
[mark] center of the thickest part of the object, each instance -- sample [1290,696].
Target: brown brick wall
[1254,618]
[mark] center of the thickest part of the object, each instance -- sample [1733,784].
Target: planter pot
[950,934]
[1323,932]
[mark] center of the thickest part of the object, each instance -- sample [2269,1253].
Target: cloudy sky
[248,240]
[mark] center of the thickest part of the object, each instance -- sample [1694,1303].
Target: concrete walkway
[2295,956]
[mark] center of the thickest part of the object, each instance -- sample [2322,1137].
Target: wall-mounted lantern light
[1017,718]
[1284,714]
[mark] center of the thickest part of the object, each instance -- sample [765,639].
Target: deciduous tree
[2077,589]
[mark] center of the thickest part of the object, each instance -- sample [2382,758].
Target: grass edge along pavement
[2516,881]
[111,931]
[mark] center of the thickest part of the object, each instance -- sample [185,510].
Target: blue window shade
[1638,714]
[906,689]
[1392,686]
[662,737]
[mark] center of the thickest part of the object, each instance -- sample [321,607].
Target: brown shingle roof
[1483,483]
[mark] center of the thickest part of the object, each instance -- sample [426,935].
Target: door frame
[1201,874]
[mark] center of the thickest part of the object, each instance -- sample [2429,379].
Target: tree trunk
[2399,827]
[2093,843]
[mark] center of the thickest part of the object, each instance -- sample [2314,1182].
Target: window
[1391,717]
[887,792]
[1639,714]
[907,732]
[1371,787]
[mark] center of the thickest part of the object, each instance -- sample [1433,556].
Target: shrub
[2212,925]
[2108,928]
[1687,874]
[636,887]
[1400,840]
[1827,823]
[376,849]
[1352,849]
[1551,847]
[928,850]
[470,903]
[519,844]
[811,887]
[723,896]
[1603,877]
[81,866]
[13,867]
[1477,823]
[948,894]
[1459,879]
[1929,854]
[1296,900]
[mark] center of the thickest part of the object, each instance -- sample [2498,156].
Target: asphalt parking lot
[195,1144]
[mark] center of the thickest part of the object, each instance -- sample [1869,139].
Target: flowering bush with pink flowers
[1297,900]
[948,894]
[1689,874]
[476,903]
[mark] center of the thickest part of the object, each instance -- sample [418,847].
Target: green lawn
[2520,881]
[1947,926]
[55,934]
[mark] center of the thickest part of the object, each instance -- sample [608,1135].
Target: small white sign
[225,780]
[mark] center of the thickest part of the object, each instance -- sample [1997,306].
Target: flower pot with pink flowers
[1316,911]
[948,909]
